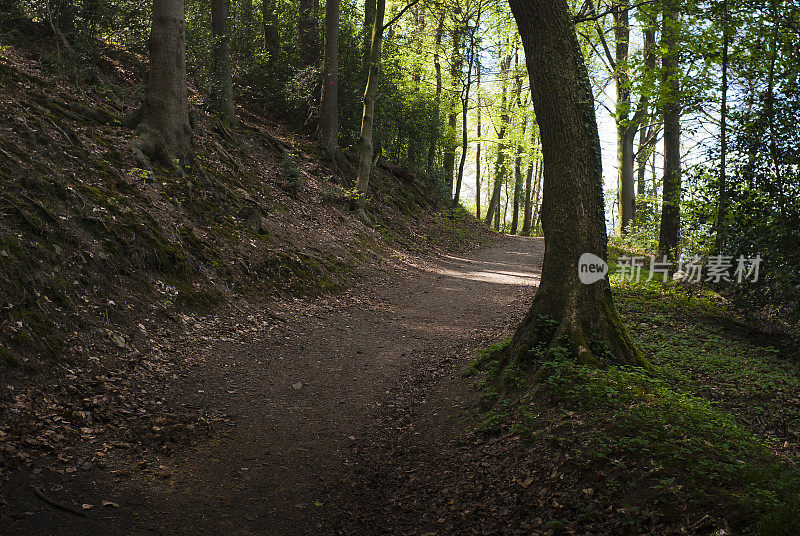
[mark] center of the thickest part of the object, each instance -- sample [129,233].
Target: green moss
[202,300]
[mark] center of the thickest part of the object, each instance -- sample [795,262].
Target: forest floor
[305,399]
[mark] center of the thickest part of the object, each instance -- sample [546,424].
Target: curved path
[303,392]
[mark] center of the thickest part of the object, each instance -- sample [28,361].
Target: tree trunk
[517,183]
[645,130]
[164,132]
[437,67]
[517,192]
[671,198]
[369,19]
[537,198]
[328,126]
[464,110]
[307,27]
[722,206]
[582,316]
[493,211]
[365,141]
[625,130]
[270,28]
[478,146]
[222,83]
[456,63]
[526,217]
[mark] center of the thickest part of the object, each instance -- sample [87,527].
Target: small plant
[291,174]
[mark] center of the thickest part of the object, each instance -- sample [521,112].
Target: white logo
[591,268]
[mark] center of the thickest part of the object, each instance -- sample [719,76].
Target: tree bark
[328,126]
[365,140]
[309,32]
[565,312]
[222,83]
[164,132]
[369,19]
[671,189]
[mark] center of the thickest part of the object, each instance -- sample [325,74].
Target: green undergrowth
[713,428]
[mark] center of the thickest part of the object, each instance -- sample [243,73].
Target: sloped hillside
[100,258]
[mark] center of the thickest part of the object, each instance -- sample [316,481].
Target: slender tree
[222,83]
[493,210]
[456,66]
[465,108]
[164,132]
[722,203]
[566,312]
[478,145]
[527,212]
[328,126]
[365,140]
[437,67]
[647,131]
[671,189]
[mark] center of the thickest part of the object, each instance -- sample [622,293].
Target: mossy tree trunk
[164,132]
[365,145]
[579,317]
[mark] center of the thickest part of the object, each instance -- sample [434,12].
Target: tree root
[65,507]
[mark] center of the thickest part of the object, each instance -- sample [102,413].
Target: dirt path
[306,389]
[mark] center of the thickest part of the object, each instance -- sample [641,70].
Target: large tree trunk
[582,316]
[222,83]
[671,198]
[164,132]
[328,126]
[309,32]
[365,146]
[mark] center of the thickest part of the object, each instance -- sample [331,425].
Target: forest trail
[303,397]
